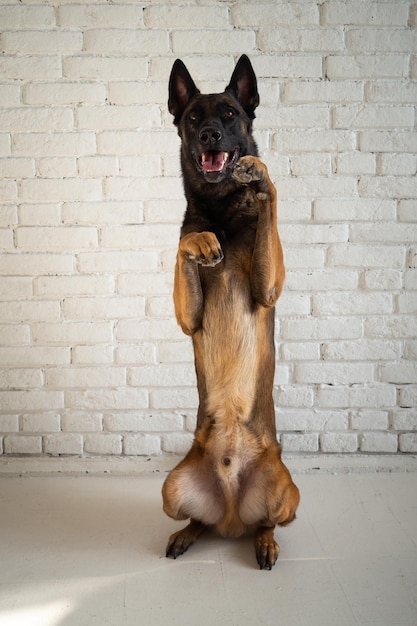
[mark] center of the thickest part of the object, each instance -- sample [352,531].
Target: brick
[334,373]
[20,378]
[102,16]
[403,92]
[314,420]
[388,186]
[378,442]
[12,288]
[111,399]
[67,92]
[74,285]
[103,308]
[55,144]
[32,41]
[66,189]
[352,303]
[14,334]
[291,66]
[314,280]
[357,396]
[57,167]
[145,283]
[354,209]
[127,143]
[141,444]
[295,396]
[9,423]
[22,444]
[366,255]
[10,95]
[388,141]
[407,302]
[41,423]
[142,236]
[408,442]
[82,422]
[29,311]
[118,261]
[375,40]
[227,42]
[350,12]
[106,67]
[148,330]
[367,66]
[307,442]
[294,304]
[306,351]
[72,332]
[60,238]
[138,92]
[37,400]
[296,116]
[300,39]
[8,191]
[89,355]
[111,40]
[338,442]
[181,398]
[319,329]
[103,212]
[398,164]
[408,397]
[21,356]
[306,92]
[41,67]
[363,350]
[103,443]
[146,165]
[63,443]
[80,377]
[179,17]
[399,373]
[314,141]
[177,443]
[299,257]
[371,116]
[21,264]
[388,232]
[369,420]
[314,233]
[310,164]
[393,326]
[131,422]
[383,279]
[162,375]
[404,420]
[17,168]
[272,14]
[97,166]
[116,117]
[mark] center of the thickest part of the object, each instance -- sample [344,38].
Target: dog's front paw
[249,169]
[204,248]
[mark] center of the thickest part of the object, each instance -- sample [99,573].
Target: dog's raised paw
[248,169]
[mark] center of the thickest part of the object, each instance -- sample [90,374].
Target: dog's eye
[192,116]
[229,113]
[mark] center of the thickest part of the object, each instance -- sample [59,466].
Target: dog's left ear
[244,87]
[181,89]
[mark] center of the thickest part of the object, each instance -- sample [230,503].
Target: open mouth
[217,161]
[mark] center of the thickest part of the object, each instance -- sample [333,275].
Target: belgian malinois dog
[228,276]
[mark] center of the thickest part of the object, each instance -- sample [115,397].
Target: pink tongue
[214,161]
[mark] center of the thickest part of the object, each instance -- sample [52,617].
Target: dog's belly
[228,340]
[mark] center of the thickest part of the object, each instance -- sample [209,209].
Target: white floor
[89,551]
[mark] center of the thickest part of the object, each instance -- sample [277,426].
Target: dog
[228,276]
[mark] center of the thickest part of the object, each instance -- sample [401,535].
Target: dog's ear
[244,87]
[181,89]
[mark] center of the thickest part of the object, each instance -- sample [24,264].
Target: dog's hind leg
[180,541]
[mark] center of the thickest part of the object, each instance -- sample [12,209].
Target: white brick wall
[91,359]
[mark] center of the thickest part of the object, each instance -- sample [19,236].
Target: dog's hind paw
[266,548]
[179,542]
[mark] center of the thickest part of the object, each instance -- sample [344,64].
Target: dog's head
[215,129]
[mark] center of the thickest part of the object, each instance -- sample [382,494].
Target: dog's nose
[210,135]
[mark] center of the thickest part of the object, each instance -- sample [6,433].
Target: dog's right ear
[181,89]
